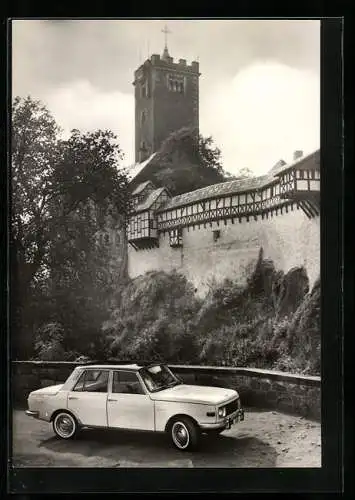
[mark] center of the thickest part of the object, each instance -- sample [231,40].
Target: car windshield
[158,377]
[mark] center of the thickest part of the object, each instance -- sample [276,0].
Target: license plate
[234,420]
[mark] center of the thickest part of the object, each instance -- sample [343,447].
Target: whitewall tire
[65,425]
[184,434]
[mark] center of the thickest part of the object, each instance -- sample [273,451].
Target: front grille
[232,406]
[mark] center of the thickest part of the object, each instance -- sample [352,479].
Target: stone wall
[27,376]
[296,394]
[289,239]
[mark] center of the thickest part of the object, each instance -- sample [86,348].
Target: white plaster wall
[289,239]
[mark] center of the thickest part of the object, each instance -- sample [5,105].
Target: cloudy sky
[259,87]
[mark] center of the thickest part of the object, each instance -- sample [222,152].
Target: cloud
[80,105]
[259,88]
[267,111]
[48,53]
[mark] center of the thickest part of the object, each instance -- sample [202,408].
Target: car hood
[195,394]
[50,390]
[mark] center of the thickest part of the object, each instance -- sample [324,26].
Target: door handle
[72,397]
[109,399]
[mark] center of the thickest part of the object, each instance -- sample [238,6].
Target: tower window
[143,151]
[143,117]
[176,83]
[144,89]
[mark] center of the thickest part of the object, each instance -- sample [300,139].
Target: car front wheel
[65,426]
[184,434]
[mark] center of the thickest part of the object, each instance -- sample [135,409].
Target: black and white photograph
[166,243]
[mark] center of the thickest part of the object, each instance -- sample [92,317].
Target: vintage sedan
[137,397]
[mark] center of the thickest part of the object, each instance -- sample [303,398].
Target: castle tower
[166,99]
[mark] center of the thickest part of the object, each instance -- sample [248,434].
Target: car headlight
[222,412]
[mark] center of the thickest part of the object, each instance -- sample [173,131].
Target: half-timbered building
[160,226]
[214,232]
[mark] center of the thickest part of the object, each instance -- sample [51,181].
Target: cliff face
[272,321]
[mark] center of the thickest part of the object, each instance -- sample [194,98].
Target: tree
[186,161]
[60,189]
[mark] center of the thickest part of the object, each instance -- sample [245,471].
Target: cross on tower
[166,32]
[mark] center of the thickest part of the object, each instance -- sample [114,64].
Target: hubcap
[180,435]
[65,425]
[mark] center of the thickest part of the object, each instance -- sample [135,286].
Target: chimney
[297,155]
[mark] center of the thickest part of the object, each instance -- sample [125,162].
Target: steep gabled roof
[299,162]
[151,198]
[276,168]
[141,187]
[137,168]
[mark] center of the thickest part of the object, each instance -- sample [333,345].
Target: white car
[149,398]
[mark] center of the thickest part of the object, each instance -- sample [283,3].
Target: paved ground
[264,439]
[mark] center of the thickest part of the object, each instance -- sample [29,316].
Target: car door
[88,398]
[128,404]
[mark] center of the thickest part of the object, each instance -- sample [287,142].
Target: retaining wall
[288,239]
[296,394]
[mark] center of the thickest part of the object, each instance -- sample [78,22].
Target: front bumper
[227,422]
[34,414]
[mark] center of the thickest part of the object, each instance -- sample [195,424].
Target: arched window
[144,89]
[176,83]
[143,116]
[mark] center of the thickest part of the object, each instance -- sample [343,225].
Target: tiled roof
[315,155]
[221,189]
[136,168]
[141,187]
[276,168]
[231,187]
[148,202]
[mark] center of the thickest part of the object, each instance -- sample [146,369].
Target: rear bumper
[226,423]
[34,414]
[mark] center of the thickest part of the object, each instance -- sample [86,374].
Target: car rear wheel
[184,434]
[65,425]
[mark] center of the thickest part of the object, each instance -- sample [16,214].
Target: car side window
[126,383]
[92,381]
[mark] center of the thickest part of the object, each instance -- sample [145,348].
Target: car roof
[131,367]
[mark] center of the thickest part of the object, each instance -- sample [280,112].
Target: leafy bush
[262,324]
[271,322]
[185,161]
[154,319]
[49,343]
